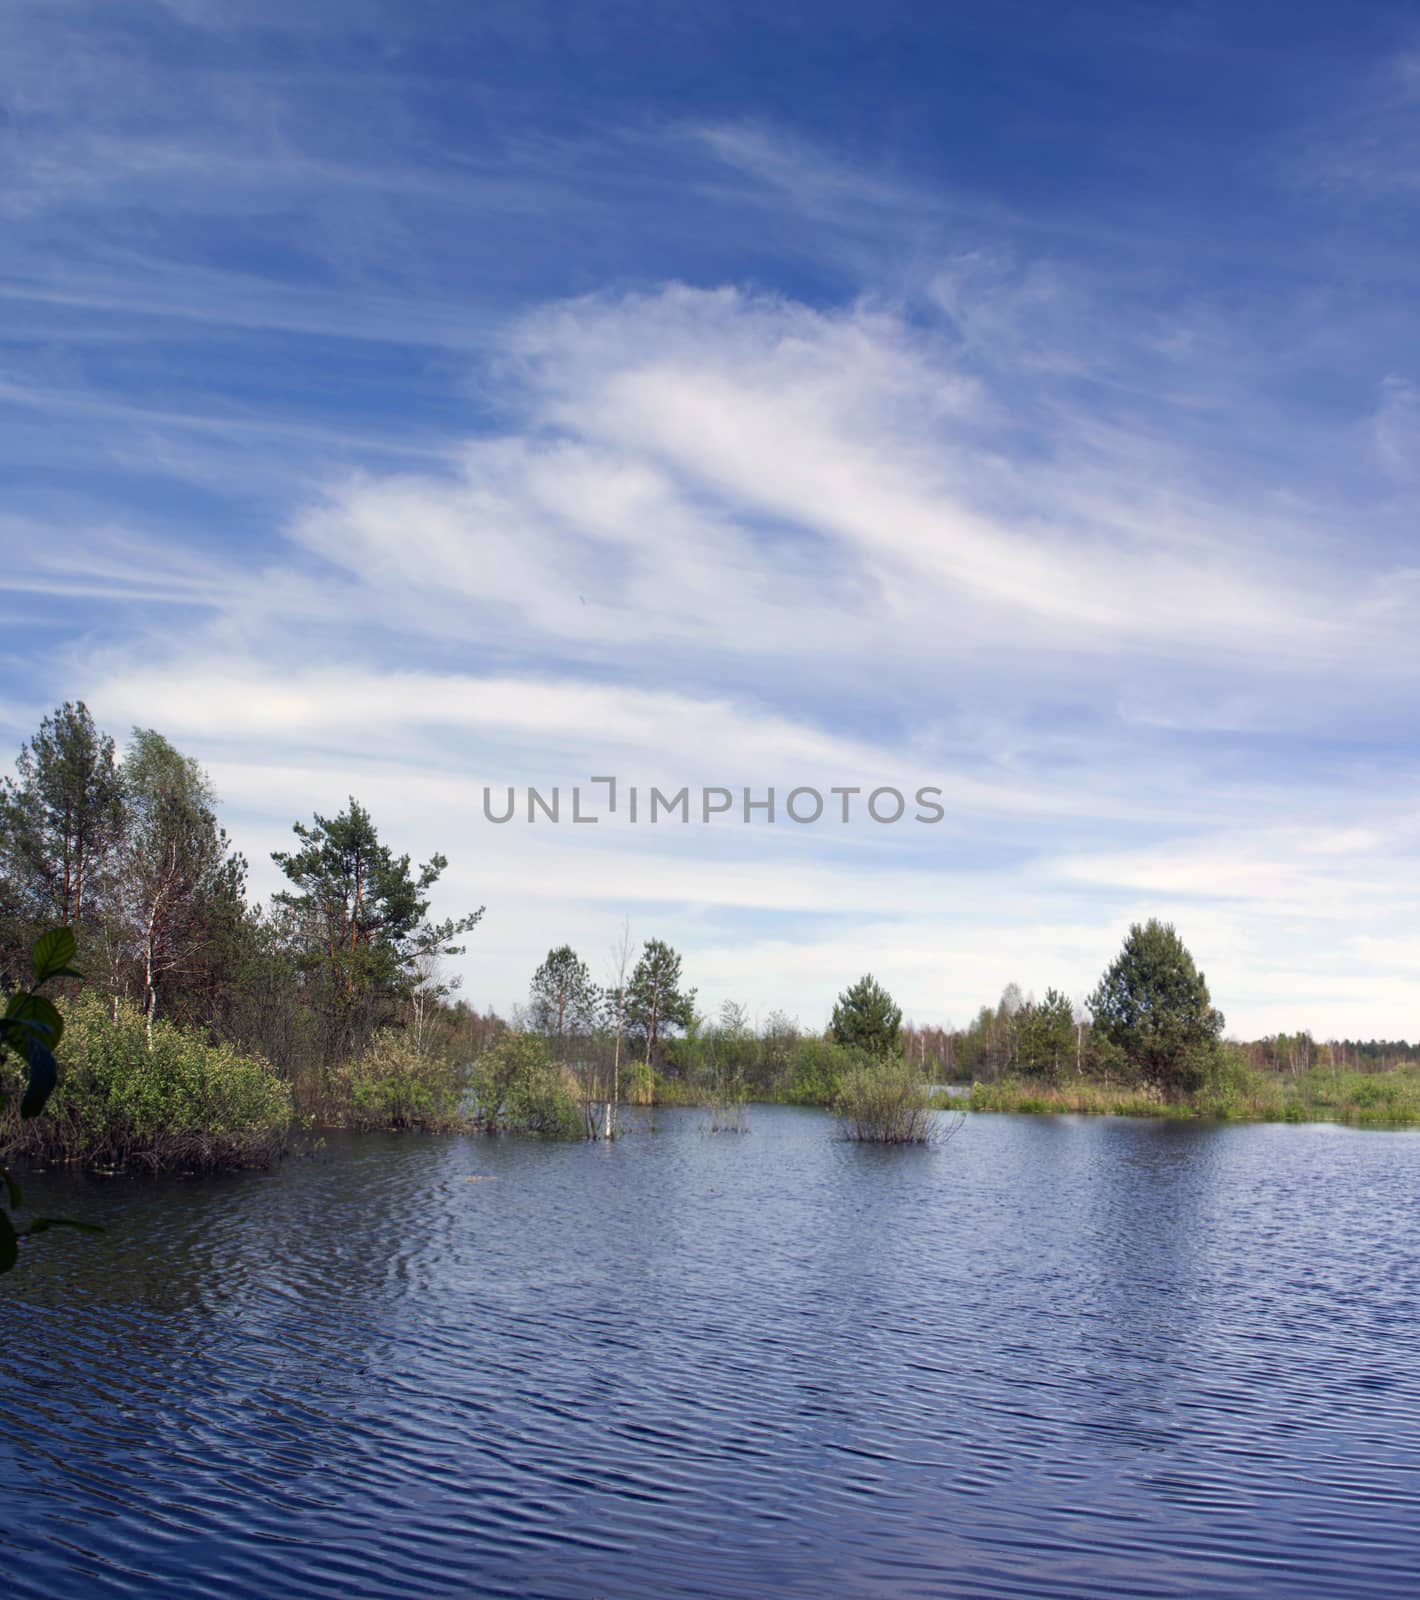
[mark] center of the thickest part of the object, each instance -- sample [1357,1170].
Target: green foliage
[1376,1098]
[639,1082]
[358,914]
[1045,1036]
[156,896]
[563,998]
[779,1038]
[817,1068]
[728,1062]
[178,884]
[392,1085]
[866,1018]
[713,1067]
[519,1088]
[179,1103]
[655,1003]
[1153,1004]
[1104,1059]
[61,817]
[1085,1096]
[32,1028]
[884,1101]
[1227,1085]
[732,1051]
[50,956]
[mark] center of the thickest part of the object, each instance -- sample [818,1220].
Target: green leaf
[12,1189]
[33,1011]
[44,1074]
[9,1244]
[44,1224]
[52,952]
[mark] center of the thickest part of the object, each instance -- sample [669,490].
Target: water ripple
[1056,1358]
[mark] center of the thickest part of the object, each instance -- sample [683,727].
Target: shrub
[391,1085]
[817,1068]
[520,1089]
[1229,1087]
[885,1102]
[179,1104]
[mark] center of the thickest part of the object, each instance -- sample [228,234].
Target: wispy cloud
[369,436]
[1366,145]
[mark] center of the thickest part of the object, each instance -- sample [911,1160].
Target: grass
[1231,1092]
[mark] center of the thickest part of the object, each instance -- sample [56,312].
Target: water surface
[1056,1357]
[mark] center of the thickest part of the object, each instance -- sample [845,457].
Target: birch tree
[614,1002]
[176,863]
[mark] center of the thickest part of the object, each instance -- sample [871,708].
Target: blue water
[1054,1357]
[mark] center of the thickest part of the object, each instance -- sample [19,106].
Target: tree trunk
[615,1101]
[150,993]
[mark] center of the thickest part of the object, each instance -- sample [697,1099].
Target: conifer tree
[865,1017]
[563,997]
[1153,1005]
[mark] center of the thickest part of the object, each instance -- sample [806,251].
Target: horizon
[397,404]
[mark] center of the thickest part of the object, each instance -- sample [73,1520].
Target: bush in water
[175,1103]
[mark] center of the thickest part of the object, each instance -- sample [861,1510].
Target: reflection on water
[1057,1357]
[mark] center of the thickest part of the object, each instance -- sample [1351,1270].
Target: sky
[1018,399]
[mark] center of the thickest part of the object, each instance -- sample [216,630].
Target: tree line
[332,1000]
[1150,1020]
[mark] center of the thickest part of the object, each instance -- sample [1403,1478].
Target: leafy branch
[31,1027]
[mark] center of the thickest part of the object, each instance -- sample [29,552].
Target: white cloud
[723,473]
[720,535]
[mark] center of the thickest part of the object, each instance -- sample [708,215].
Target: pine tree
[1153,1004]
[360,911]
[563,998]
[654,1001]
[866,1018]
[1045,1035]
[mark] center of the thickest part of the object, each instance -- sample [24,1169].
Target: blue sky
[1019,398]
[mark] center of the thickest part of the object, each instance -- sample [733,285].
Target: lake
[1052,1357]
